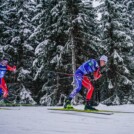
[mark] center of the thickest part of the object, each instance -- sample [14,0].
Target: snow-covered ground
[39,120]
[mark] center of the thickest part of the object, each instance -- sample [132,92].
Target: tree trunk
[73,56]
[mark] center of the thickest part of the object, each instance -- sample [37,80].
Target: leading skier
[3,68]
[92,69]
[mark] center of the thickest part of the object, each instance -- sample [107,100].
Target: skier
[91,68]
[3,68]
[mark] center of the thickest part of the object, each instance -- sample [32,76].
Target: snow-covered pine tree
[17,48]
[129,23]
[4,29]
[51,36]
[6,11]
[117,40]
[2,25]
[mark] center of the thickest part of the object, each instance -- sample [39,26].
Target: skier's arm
[9,68]
[97,74]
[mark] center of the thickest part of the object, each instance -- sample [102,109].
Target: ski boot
[88,106]
[67,104]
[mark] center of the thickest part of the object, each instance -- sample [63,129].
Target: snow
[36,17]
[38,72]
[26,31]
[116,55]
[110,85]
[24,71]
[1,22]
[40,46]
[30,48]
[96,3]
[25,96]
[15,39]
[39,120]
[33,1]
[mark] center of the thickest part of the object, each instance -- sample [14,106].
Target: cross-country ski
[83,111]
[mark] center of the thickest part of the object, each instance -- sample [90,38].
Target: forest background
[48,39]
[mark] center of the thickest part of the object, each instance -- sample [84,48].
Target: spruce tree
[129,23]
[18,49]
[50,38]
[5,31]
[118,42]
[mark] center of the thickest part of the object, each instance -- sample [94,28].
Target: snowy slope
[38,120]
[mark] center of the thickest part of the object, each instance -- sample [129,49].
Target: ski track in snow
[39,120]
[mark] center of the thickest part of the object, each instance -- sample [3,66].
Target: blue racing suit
[89,67]
[3,86]
[3,70]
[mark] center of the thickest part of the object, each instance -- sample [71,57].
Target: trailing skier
[3,68]
[92,69]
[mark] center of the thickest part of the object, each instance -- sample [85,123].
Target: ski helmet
[104,58]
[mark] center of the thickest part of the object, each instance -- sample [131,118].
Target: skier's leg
[87,84]
[4,87]
[78,83]
[1,91]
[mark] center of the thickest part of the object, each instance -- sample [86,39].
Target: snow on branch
[110,85]
[125,80]
[38,72]
[117,56]
[113,100]
[40,46]
[2,23]
[25,97]
[23,74]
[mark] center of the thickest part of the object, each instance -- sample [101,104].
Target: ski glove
[97,74]
[5,94]
[14,68]
[11,68]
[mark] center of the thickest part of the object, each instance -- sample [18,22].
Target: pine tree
[129,23]
[17,47]
[118,41]
[4,29]
[51,37]
[2,25]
